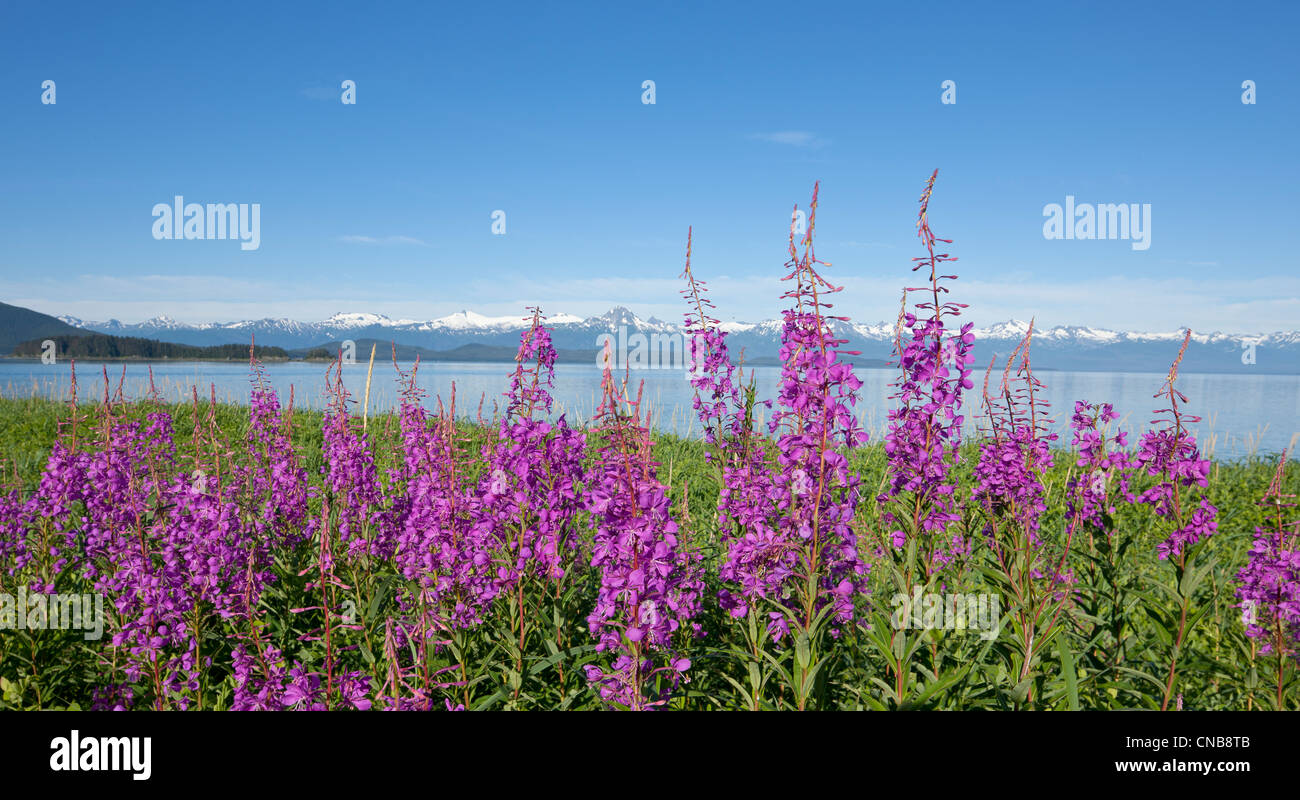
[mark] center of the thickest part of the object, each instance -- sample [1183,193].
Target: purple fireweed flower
[353,478]
[272,489]
[131,557]
[759,559]
[417,451]
[303,691]
[112,697]
[43,531]
[1014,455]
[259,679]
[1087,494]
[530,491]
[534,373]
[1016,450]
[1269,588]
[264,681]
[221,566]
[924,431]
[815,492]
[277,483]
[442,545]
[51,510]
[1169,452]
[718,399]
[649,588]
[14,549]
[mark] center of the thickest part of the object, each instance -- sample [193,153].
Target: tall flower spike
[352,476]
[924,430]
[1269,588]
[649,588]
[441,546]
[1088,493]
[716,394]
[1016,454]
[1169,453]
[758,561]
[530,489]
[815,426]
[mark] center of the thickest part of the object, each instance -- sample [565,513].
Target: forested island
[102,347]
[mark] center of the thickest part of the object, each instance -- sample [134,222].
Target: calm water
[1242,413]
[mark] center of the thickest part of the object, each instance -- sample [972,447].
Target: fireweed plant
[531,494]
[924,535]
[1092,502]
[1269,587]
[424,490]
[1168,452]
[817,493]
[1014,458]
[924,431]
[269,557]
[757,561]
[346,533]
[445,547]
[649,589]
[134,555]
[791,548]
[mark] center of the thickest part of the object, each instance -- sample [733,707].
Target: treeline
[103,346]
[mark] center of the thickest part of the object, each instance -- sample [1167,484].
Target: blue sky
[386,205]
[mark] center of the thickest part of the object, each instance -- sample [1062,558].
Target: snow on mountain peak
[1012,328]
[465,319]
[355,319]
[472,323]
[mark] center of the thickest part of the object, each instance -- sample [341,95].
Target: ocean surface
[1241,414]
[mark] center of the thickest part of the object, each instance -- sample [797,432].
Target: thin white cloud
[792,138]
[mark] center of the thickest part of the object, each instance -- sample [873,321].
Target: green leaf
[1020,692]
[802,654]
[1068,671]
[935,687]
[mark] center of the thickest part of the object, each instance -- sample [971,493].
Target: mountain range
[1060,347]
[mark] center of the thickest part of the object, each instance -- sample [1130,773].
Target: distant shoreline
[765,363]
[139,360]
[570,357]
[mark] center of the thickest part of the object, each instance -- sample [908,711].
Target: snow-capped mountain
[1060,347]
[453,330]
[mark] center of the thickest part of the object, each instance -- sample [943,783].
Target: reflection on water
[1241,413]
